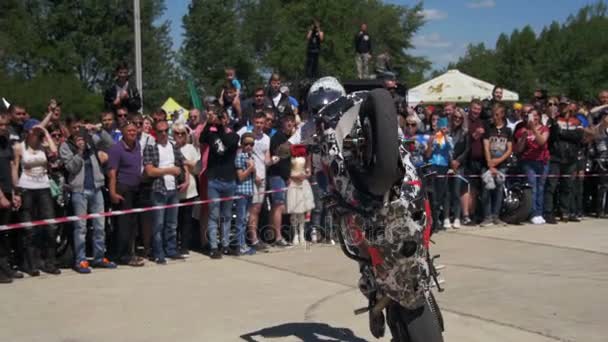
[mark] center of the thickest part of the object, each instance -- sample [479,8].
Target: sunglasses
[552,104]
[138,123]
[411,125]
[179,133]
[248,144]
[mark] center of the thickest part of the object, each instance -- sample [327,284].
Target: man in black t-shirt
[7,201]
[221,172]
[278,173]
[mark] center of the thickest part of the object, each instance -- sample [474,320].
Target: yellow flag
[175,112]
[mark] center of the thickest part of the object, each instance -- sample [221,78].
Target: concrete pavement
[524,283]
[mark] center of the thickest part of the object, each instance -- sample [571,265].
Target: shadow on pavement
[309,332]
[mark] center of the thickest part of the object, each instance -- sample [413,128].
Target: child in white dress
[300,198]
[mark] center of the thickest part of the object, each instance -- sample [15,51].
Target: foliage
[86,39]
[35,94]
[213,41]
[567,59]
[258,35]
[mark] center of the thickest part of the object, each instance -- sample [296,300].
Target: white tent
[454,86]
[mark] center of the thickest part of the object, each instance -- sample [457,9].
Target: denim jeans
[537,174]
[242,207]
[164,234]
[88,201]
[220,211]
[492,199]
[455,192]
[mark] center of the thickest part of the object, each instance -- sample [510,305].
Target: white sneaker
[542,220]
[447,224]
[456,224]
[536,220]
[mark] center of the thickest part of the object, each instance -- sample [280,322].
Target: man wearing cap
[565,135]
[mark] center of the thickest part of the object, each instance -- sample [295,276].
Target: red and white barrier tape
[65,219]
[524,176]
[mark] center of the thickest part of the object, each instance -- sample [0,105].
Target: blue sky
[451,24]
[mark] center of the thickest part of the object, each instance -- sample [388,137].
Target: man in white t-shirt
[164,162]
[261,157]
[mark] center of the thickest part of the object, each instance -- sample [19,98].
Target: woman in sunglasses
[551,111]
[192,156]
[459,132]
[416,141]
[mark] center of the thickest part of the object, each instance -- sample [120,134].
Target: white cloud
[430,41]
[433,14]
[481,4]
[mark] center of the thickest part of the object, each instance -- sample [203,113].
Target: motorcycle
[379,204]
[517,195]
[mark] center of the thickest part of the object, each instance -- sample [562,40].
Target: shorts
[258,193]
[278,197]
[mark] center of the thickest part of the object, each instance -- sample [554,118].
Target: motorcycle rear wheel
[420,325]
[378,117]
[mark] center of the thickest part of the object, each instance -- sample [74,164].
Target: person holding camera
[221,173]
[533,149]
[85,179]
[314,37]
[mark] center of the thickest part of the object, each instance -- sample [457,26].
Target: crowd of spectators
[557,145]
[237,146]
[66,165]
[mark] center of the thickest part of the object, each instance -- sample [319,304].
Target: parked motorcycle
[378,202]
[517,195]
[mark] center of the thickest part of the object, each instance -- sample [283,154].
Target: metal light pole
[138,74]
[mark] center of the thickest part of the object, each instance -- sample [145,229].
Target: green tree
[213,41]
[86,39]
[277,31]
[567,59]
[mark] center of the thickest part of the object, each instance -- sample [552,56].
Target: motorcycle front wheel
[420,325]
